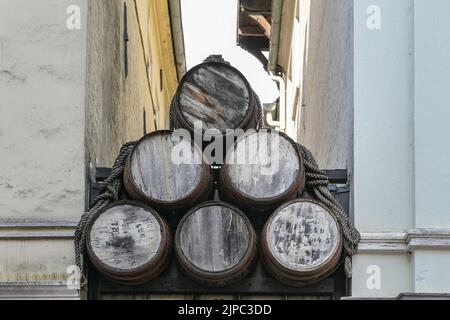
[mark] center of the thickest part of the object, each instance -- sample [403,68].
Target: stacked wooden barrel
[129,242]
[262,170]
[217,96]
[213,100]
[215,243]
[167,171]
[301,242]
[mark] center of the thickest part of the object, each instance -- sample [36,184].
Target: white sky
[210,28]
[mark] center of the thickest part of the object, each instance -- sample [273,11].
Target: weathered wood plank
[125,237]
[216,95]
[214,238]
[263,165]
[249,285]
[215,244]
[118,296]
[154,172]
[206,297]
[171,297]
[308,298]
[303,236]
[301,243]
[261,297]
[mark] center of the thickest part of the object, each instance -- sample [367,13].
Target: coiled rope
[318,181]
[109,192]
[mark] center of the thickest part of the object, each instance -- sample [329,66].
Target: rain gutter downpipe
[177,36]
[277,8]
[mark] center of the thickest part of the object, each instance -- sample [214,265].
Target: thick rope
[110,190]
[260,121]
[171,115]
[318,181]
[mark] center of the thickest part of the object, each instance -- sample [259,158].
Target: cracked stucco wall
[42,100]
[42,77]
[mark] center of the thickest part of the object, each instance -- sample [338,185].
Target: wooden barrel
[301,243]
[216,95]
[128,243]
[215,244]
[152,174]
[262,171]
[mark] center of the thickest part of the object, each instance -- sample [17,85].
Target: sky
[209,27]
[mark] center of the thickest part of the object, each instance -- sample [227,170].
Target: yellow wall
[162,56]
[116,103]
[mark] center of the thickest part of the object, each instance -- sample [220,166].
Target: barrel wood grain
[216,95]
[125,237]
[215,244]
[214,238]
[263,165]
[155,173]
[303,236]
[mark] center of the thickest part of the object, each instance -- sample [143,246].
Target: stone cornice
[404,242]
[37,230]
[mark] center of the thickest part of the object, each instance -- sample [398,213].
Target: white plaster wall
[42,85]
[431,271]
[381,275]
[432,140]
[383,118]
[402,150]
[432,113]
[383,140]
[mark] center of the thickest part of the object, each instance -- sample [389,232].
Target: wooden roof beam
[263,23]
[251,31]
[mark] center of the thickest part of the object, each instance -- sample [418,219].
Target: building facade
[78,78]
[364,85]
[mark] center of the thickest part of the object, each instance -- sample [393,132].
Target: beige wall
[325,120]
[42,85]
[315,54]
[115,103]
[42,182]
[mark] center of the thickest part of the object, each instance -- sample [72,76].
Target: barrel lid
[216,94]
[214,237]
[126,237]
[263,165]
[165,167]
[303,236]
